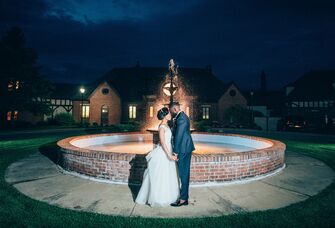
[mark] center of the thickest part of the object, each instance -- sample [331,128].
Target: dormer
[289,89]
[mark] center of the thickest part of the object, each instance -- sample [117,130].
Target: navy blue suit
[183,146]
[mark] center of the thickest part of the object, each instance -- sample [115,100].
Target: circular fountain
[218,158]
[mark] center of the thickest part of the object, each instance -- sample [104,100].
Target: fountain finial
[173,68]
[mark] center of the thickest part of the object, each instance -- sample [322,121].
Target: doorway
[104,115]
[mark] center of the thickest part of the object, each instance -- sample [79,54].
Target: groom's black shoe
[178,203]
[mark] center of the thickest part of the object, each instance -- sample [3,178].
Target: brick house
[136,93]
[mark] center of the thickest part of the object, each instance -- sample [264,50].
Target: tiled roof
[132,83]
[314,85]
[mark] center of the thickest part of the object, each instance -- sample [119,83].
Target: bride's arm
[162,141]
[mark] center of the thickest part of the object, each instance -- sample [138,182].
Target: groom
[182,148]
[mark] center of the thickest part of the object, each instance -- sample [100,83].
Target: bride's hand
[172,157]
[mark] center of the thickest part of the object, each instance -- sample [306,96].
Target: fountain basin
[218,158]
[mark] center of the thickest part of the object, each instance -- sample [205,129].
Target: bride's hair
[162,113]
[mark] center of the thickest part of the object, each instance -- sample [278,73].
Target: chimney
[263,81]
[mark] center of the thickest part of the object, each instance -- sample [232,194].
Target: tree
[22,87]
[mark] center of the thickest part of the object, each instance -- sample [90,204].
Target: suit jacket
[182,141]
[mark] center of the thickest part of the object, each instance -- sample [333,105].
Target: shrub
[240,117]
[65,119]
[129,126]
[202,125]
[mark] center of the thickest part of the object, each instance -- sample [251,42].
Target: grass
[17,210]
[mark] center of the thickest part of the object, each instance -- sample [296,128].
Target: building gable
[231,96]
[105,99]
[233,92]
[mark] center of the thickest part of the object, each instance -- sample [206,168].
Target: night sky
[80,40]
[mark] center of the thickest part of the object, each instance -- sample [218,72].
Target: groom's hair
[173,104]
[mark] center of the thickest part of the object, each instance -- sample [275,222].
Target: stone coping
[66,144]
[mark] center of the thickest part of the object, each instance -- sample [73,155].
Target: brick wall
[227,101]
[127,168]
[111,100]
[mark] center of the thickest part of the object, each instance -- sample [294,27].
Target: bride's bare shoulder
[163,126]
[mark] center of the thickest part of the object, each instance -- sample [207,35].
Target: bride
[160,186]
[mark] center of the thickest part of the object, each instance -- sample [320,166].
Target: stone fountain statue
[173,69]
[172,88]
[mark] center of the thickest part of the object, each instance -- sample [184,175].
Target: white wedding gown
[160,185]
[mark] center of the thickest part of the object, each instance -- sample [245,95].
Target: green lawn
[19,210]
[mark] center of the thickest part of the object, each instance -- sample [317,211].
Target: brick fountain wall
[129,168]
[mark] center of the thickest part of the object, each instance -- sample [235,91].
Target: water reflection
[145,146]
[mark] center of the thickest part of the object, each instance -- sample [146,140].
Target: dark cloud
[18,11]
[79,40]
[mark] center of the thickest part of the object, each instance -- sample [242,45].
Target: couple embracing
[166,179]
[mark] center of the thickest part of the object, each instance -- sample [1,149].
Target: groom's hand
[175,156]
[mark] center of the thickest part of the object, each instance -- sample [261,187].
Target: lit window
[326,104]
[205,113]
[295,104]
[15,115]
[85,111]
[10,86]
[9,116]
[151,111]
[316,104]
[301,104]
[104,109]
[310,104]
[17,85]
[321,104]
[188,111]
[306,104]
[132,112]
